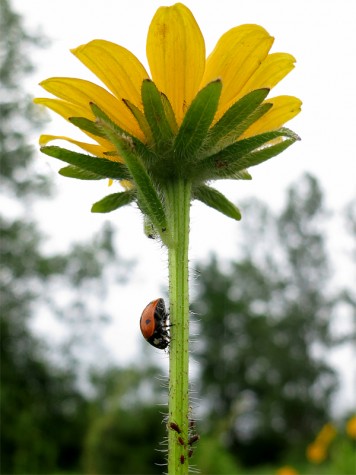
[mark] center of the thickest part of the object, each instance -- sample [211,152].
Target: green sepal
[216,200]
[155,114]
[147,196]
[238,117]
[229,162]
[100,166]
[241,128]
[241,147]
[147,155]
[141,120]
[72,171]
[260,156]
[87,125]
[197,120]
[243,175]
[113,201]
[171,118]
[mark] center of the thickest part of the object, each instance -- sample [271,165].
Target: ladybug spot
[148,321]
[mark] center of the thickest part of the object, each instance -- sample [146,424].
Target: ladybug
[153,324]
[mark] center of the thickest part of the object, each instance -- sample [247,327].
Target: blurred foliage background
[263,383]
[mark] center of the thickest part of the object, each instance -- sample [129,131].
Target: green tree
[264,325]
[43,413]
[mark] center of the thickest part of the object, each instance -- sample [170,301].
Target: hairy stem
[178,204]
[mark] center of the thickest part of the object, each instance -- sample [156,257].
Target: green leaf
[197,120]
[229,162]
[74,172]
[216,200]
[155,114]
[148,198]
[235,120]
[113,201]
[100,166]
[87,125]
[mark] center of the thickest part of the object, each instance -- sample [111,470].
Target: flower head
[192,118]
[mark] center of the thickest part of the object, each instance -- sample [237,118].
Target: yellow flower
[316,452]
[192,119]
[286,470]
[180,69]
[327,434]
[351,427]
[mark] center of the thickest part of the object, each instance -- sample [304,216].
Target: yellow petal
[94,149]
[82,93]
[115,66]
[63,108]
[284,109]
[176,55]
[67,110]
[272,70]
[235,58]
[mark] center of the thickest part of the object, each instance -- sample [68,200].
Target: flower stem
[178,204]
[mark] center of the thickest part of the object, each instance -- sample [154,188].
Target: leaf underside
[216,200]
[113,202]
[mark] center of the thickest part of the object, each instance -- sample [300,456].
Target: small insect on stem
[193,438]
[191,423]
[190,453]
[175,427]
[181,441]
[182,459]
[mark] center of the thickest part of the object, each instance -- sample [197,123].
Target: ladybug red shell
[153,324]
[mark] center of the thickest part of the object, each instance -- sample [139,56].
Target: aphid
[181,441]
[182,459]
[175,427]
[190,453]
[193,439]
[153,324]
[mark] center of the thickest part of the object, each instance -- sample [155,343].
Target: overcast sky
[321,34]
